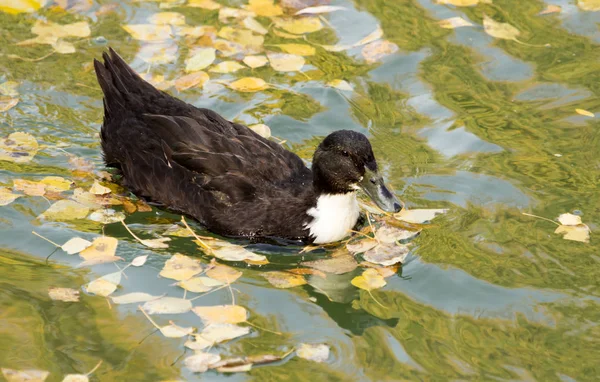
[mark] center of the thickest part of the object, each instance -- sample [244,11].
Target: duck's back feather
[194,161]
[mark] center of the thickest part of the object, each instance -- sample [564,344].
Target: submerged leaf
[65,210]
[226,314]
[103,246]
[499,30]
[283,62]
[387,254]
[7,103]
[377,50]
[213,334]
[313,352]
[7,197]
[224,273]
[191,80]
[454,22]
[284,279]
[135,297]
[180,267]
[167,18]
[75,245]
[337,265]
[255,61]
[18,147]
[30,375]
[101,287]
[249,84]
[64,294]
[200,362]
[340,84]
[361,246]
[148,32]
[167,305]
[419,216]
[199,284]
[369,280]
[200,59]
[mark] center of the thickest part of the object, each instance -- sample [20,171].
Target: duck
[234,182]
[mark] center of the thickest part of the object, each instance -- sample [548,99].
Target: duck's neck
[334,215]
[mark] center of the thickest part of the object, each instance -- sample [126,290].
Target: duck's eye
[345,153]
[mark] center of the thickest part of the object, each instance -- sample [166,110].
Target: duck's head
[344,162]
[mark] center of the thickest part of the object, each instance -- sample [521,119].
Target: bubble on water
[577,212]
[100,40]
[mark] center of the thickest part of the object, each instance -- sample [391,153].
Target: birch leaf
[139,261]
[249,85]
[299,26]
[7,197]
[101,287]
[313,352]
[135,297]
[103,246]
[319,9]
[454,22]
[167,305]
[386,254]
[418,216]
[255,61]
[200,362]
[297,49]
[569,219]
[284,279]
[64,294]
[180,267]
[226,67]
[65,210]
[30,375]
[18,147]
[199,284]
[261,129]
[369,280]
[75,245]
[224,273]
[224,314]
[148,32]
[191,80]
[499,30]
[283,62]
[585,113]
[201,59]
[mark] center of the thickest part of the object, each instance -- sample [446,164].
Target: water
[458,120]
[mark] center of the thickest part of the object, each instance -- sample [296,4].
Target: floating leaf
[225,314]
[551,9]
[337,265]
[454,22]
[167,305]
[299,26]
[375,51]
[176,230]
[200,362]
[180,267]
[191,80]
[103,246]
[75,245]
[265,8]
[224,273]
[7,197]
[261,129]
[99,260]
[150,243]
[66,210]
[167,18]
[7,103]
[464,3]
[255,61]
[228,48]
[284,279]
[128,206]
[283,62]
[201,59]
[307,271]
[369,280]
[106,216]
[101,287]
[255,26]
[249,85]
[371,37]
[418,216]
[204,4]
[225,14]
[499,30]
[56,183]
[9,88]
[171,330]
[313,352]
[247,39]
[18,147]
[50,33]
[389,235]
[158,53]
[30,375]
[298,49]
[135,297]
[589,5]
[569,219]
[99,189]
[214,334]
[283,34]
[585,113]
[340,84]
[139,261]
[226,67]
[362,246]
[21,6]
[148,32]
[63,47]
[64,294]
[319,9]
[240,364]
[232,252]
[387,254]
[574,232]
[199,284]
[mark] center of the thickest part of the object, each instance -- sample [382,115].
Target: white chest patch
[334,216]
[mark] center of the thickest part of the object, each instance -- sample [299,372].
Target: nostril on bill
[397,207]
[373,180]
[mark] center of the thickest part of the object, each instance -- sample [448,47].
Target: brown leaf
[336,265]
[284,279]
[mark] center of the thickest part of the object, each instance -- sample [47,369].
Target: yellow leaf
[464,3]
[56,183]
[200,361]
[283,62]
[18,147]
[167,18]
[255,61]
[585,113]
[299,26]
[299,49]
[226,67]
[101,287]
[261,129]
[180,267]
[552,9]
[589,5]
[385,255]
[102,246]
[7,103]
[265,8]
[319,9]
[224,273]
[30,375]
[569,219]
[579,232]
[388,235]
[454,22]
[21,6]
[64,294]
[418,216]
[226,314]
[148,32]
[7,197]
[191,80]
[337,265]
[255,26]
[228,48]
[243,37]
[29,188]
[63,47]
[369,280]
[313,352]
[373,36]
[75,245]
[340,84]
[249,84]
[66,210]
[133,298]
[98,189]
[199,284]
[204,4]
[284,279]
[158,53]
[200,59]
[375,51]
[283,34]
[225,14]
[499,30]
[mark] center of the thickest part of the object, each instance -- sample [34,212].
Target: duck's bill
[373,185]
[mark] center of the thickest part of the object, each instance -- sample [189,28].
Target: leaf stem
[540,217]
[45,238]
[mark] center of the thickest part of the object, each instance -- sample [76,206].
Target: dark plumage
[229,178]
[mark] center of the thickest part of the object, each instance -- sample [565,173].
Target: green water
[458,120]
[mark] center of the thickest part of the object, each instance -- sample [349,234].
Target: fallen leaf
[255,61]
[261,129]
[239,364]
[225,314]
[362,246]
[167,305]
[191,80]
[337,265]
[167,18]
[214,334]
[297,49]
[299,26]
[388,235]
[128,206]
[139,261]
[106,216]
[264,8]
[550,9]
[102,246]
[585,113]
[226,67]
[18,147]
[148,32]
[340,84]
[235,369]
[150,243]
[375,51]
[319,9]
[249,85]
[21,6]
[200,59]
[283,34]
[30,375]
[143,207]
[56,183]
[226,14]
[99,260]
[464,3]
[200,362]
[574,232]
[500,30]
[64,294]
[369,280]
[29,188]
[249,41]
[7,197]
[284,279]
[204,4]
[199,284]
[224,273]
[228,48]
[569,219]
[66,210]
[589,5]
[50,33]
[283,62]
[233,252]
[313,352]
[63,47]
[99,189]
[75,245]
[387,254]
[371,37]
[158,53]
[101,287]
[253,25]
[307,271]
[454,22]
[7,103]
[180,267]
[135,297]
[9,88]
[178,231]
[418,216]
